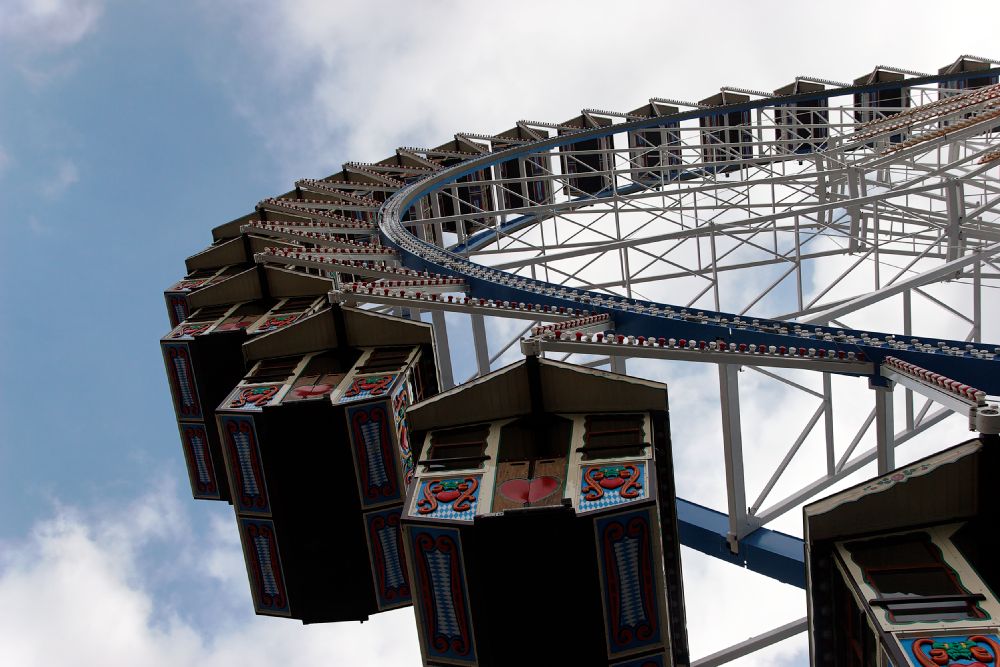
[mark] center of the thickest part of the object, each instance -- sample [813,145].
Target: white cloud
[93,587]
[324,83]
[47,25]
[66,175]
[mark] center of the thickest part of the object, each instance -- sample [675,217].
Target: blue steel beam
[768,552]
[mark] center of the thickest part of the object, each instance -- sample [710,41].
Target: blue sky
[129,129]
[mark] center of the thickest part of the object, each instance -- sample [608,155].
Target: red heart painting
[522,490]
[310,390]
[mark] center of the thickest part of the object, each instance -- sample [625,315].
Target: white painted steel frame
[910,219]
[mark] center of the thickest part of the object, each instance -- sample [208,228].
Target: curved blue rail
[658,320]
[771,553]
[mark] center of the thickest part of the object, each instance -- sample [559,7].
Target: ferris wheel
[837,241]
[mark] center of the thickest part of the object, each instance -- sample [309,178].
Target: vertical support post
[828,423]
[422,231]
[907,331]
[523,185]
[977,300]
[444,352]
[798,266]
[732,444]
[955,197]
[715,266]
[459,223]
[436,212]
[862,218]
[853,210]
[622,252]
[821,216]
[480,344]
[618,365]
[885,438]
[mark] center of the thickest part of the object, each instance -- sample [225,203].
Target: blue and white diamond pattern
[627,560]
[262,546]
[394,577]
[371,432]
[198,450]
[444,511]
[611,497]
[439,565]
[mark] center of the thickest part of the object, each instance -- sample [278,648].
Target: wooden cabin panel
[259,243]
[548,480]
[216,256]
[376,330]
[320,375]
[231,229]
[389,573]
[456,449]
[569,388]
[286,283]
[441,598]
[313,387]
[629,581]
[512,485]
[369,425]
[201,466]
[183,385]
[948,494]
[264,566]
[286,312]
[533,483]
[176,295]
[177,307]
[241,448]
[242,316]
[310,333]
[243,286]
[499,395]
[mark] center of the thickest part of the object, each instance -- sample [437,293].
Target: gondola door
[531,463]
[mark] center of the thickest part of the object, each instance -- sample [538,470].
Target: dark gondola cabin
[726,135]
[970,73]
[316,446]
[888,99]
[203,353]
[471,195]
[655,152]
[544,490]
[536,188]
[975,75]
[584,163]
[802,126]
[902,569]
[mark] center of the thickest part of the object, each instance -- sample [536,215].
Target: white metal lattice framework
[750,231]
